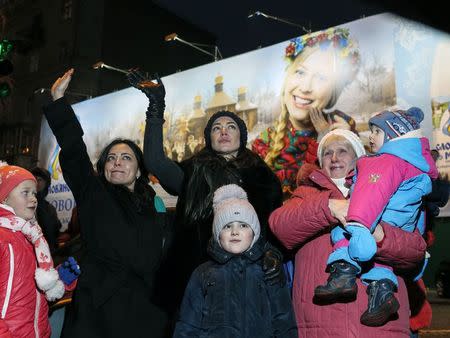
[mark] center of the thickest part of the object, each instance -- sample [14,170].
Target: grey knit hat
[230,204]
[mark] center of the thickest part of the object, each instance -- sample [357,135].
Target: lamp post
[101,64]
[174,37]
[267,16]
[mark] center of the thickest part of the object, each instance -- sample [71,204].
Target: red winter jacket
[303,223]
[24,309]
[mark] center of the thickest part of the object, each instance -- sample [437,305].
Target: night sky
[227,20]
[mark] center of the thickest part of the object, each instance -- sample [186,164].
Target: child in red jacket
[27,276]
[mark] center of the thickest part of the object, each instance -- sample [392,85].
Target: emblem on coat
[373,178]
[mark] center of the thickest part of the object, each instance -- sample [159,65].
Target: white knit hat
[350,136]
[230,204]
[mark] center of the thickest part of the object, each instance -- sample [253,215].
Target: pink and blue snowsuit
[389,187]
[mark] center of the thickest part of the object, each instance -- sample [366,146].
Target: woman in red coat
[303,224]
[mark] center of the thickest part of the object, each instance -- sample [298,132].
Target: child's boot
[341,284]
[382,303]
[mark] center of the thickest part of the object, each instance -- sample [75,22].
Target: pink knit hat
[230,204]
[10,177]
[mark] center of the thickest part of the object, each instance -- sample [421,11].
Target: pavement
[440,323]
[433,298]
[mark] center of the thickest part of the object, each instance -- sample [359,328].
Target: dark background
[235,33]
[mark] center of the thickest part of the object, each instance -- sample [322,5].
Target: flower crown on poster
[336,37]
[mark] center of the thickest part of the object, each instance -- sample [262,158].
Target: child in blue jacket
[227,296]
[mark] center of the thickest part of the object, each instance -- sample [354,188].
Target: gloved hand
[362,246]
[69,271]
[155,92]
[273,267]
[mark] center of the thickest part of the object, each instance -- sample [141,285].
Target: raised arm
[73,158]
[168,172]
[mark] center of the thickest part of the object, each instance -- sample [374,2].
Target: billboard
[378,62]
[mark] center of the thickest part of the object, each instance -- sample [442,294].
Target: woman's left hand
[339,209]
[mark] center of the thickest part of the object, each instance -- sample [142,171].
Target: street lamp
[174,37]
[101,64]
[267,16]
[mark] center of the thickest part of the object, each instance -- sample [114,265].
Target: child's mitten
[362,246]
[69,271]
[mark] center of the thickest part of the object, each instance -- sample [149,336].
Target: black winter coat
[48,220]
[227,297]
[204,174]
[194,181]
[123,247]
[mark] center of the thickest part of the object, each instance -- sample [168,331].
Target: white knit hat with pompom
[230,204]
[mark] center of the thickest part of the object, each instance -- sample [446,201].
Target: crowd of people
[354,223]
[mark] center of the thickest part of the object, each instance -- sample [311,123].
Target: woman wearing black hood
[224,160]
[46,213]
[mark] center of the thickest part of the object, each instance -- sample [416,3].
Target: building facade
[50,36]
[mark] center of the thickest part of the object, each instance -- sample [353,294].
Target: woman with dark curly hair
[120,228]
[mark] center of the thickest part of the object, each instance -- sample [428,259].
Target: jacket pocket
[214,308]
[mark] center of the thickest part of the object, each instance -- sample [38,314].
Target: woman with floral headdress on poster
[320,66]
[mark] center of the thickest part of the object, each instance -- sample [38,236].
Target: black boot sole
[383,315]
[342,296]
